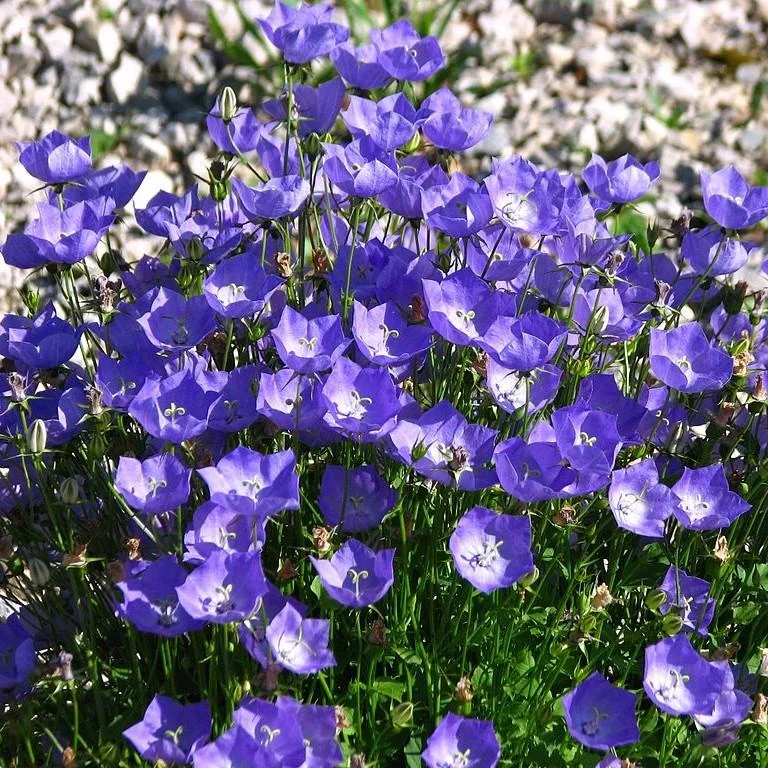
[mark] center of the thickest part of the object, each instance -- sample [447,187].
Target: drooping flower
[303,33]
[689,597]
[390,122]
[17,653]
[619,181]
[56,158]
[731,201]
[639,502]
[277,198]
[361,168]
[449,125]
[404,54]
[171,732]
[157,484]
[355,499]
[44,341]
[356,576]
[299,644]
[225,588]
[706,502]
[459,208]
[710,252]
[360,66]
[314,111]
[270,481]
[685,360]
[492,551]
[462,741]
[732,707]
[60,236]
[601,715]
[523,343]
[678,680]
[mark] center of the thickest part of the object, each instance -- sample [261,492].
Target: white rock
[155,181]
[124,81]
[56,42]
[109,42]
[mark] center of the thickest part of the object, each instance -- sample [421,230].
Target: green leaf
[389,688]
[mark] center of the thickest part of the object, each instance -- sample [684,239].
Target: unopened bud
[530,578]
[37,572]
[402,716]
[655,599]
[219,191]
[312,144]
[37,436]
[195,249]
[69,491]
[228,104]
[378,633]
[412,146]
[672,624]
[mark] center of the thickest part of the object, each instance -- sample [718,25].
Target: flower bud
[37,436]
[530,578]
[402,716]
[672,624]
[312,144]
[69,491]
[37,572]
[228,104]
[655,599]
[412,145]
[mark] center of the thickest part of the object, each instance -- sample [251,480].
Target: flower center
[489,555]
[173,410]
[310,344]
[356,576]
[591,727]
[269,734]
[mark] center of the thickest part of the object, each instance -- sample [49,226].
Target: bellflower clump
[419,439]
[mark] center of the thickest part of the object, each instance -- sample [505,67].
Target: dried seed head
[602,597]
[418,310]
[75,558]
[564,516]
[721,551]
[283,261]
[286,571]
[321,262]
[760,712]
[726,653]
[68,759]
[115,571]
[377,635]
[321,538]
[132,548]
[463,691]
[343,720]
[741,362]
[357,761]
[763,671]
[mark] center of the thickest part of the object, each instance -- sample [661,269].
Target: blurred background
[681,81]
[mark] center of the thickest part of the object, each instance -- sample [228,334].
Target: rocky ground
[677,80]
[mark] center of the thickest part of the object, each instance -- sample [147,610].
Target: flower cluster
[345,346]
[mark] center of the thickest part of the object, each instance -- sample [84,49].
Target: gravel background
[678,81]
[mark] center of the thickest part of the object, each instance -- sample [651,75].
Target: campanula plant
[372,461]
